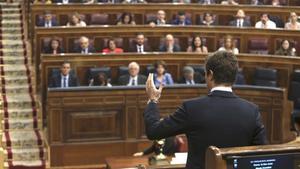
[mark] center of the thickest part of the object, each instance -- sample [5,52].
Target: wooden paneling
[85,133]
[93,124]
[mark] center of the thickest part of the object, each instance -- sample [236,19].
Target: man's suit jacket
[164,48]
[203,1]
[220,119]
[41,22]
[246,23]
[124,80]
[133,48]
[186,22]
[55,81]
[79,49]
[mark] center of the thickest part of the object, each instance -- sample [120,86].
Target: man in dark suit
[240,20]
[181,19]
[84,46]
[220,119]
[64,79]
[133,78]
[139,45]
[190,77]
[208,2]
[47,21]
[169,45]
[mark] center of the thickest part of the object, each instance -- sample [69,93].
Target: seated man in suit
[84,46]
[133,78]
[160,18]
[48,20]
[190,77]
[240,20]
[64,79]
[169,45]
[139,45]
[221,119]
[181,19]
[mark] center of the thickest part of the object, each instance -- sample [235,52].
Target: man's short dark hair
[224,66]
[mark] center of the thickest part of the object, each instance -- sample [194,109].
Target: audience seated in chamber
[133,78]
[197,45]
[161,77]
[54,47]
[84,46]
[64,78]
[112,47]
[169,45]
[76,20]
[285,49]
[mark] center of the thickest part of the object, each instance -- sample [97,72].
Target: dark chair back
[93,72]
[265,77]
[123,70]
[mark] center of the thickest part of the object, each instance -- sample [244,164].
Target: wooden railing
[88,124]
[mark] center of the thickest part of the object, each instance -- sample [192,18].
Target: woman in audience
[229,45]
[75,20]
[161,77]
[100,80]
[293,23]
[54,47]
[208,19]
[126,19]
[197,45]
[112,47]
[285,49]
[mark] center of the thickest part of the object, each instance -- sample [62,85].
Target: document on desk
[180,158]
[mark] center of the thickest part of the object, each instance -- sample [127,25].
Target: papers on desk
[180,158]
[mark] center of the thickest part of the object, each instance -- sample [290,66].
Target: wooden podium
[134,162]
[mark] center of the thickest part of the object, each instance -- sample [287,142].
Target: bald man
[133,78]
[84,46]
[160,18]
[169,45]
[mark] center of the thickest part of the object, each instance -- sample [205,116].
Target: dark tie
[133,82]
[65,82]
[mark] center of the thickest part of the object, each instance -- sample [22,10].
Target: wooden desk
[88,124]
[131,162]
[215,157]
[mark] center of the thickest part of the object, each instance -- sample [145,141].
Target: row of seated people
[132,76]
[182,19]
[128,77]
[223,2]
[170,44]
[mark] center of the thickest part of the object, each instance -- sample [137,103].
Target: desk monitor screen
[272,161]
